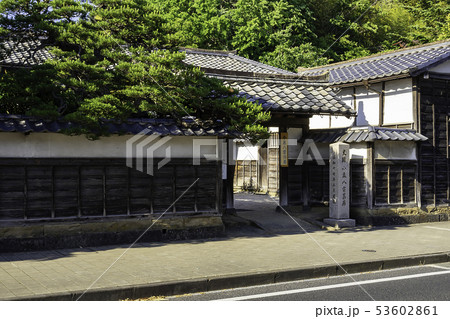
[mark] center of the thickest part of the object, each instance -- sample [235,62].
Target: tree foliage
[293,33]
[119,58]
[113,59]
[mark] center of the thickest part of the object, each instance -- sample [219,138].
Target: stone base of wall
[378,216]
[399,216]
[57,235]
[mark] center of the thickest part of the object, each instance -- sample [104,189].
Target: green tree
[277,32]
[113,59]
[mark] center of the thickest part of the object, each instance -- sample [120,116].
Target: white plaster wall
[358,151]
[367,105]
[40,145]
[319,122]
[442,68]
[323,121]
[341,121]
[398,102]
[395,150]
[346,95]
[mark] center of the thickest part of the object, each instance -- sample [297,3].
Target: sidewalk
[242,258]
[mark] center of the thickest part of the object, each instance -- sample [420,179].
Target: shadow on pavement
[256,216]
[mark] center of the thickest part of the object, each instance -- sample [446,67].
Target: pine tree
[112,59]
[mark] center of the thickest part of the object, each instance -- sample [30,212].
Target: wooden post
[219,185]
[53,191]
[418,103]
[305,184]
[174,188]
[284,171]
[434,154]
[369,172]
[79,191]
[415,105]
[381,105]
[229,192]
[104,189]
[128,191]
[25,193]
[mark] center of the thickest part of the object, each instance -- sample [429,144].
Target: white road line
[348,284]
[440,267]
[447,229]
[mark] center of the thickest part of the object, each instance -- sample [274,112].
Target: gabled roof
[277,90]
[364,134]
[402,63]
[289,95]
[161,127]
[211,60]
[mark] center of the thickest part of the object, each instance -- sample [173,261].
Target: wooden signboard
[284,158]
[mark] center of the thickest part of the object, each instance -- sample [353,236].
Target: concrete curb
[239,280]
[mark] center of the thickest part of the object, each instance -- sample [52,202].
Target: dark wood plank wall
[434,158]
[395,182]
[358,196]
[318,182]
[295,183]
[316,179]
[73,188]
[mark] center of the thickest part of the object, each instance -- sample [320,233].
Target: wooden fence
[74,188]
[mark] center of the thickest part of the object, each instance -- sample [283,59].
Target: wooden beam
[369,170]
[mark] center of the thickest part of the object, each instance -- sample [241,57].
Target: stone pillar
[340,186]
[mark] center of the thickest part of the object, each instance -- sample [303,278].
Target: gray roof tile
[281,96]
[23,54]
[274,88]
[228,61]
[162,127]
[406,61]
[363,134]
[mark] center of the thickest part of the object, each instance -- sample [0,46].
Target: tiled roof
[275,89]
[409,61]
[364,134]
[289,95]
[228,61]
[23,54]
[162,127]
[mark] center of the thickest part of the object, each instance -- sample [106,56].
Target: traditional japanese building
[60,190]
[399,141]
[292,100]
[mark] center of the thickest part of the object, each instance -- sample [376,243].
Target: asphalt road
[421,283]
